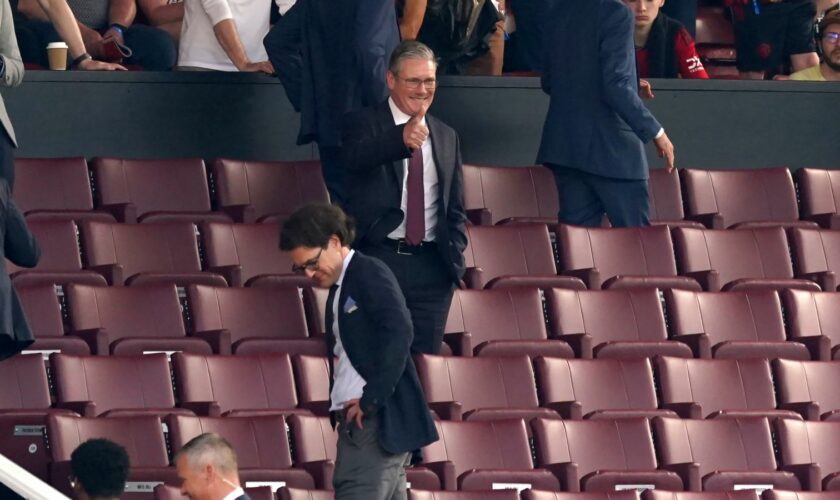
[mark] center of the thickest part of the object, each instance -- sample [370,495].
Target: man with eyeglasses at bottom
[100,470]
[208,469]
[829,49]
[405,191]
[375,395]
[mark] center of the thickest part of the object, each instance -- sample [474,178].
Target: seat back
[806,381]
[147,311]
[646,251]
[736,444]
[463,495]
[666,203]
[171,185]
[765,194]
[815,250]
[260,442]
[803,442]
[745,253]
[797,495]
[142,437]
[697,495]
[820,190]
[600,384]
[753,315]
[511,191]
[499,314]
[114,382]
[248,312]
[25,385]
[812,313]
[717,384]
[312,376]
[236,382]
[714,28]
[252,246]
[589,495]
[42,309]
[616,445]
[52,184]
[607,315]
[521,249]
[483,382]
[499,444]
[286,493]
[273,188]
[142,248]
[313,438]
[59,246]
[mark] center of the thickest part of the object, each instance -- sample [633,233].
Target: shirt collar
[344,267]
[400,117]
[233,495]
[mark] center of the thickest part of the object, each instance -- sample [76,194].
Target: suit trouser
[363,470]
[428,288]
[585,197]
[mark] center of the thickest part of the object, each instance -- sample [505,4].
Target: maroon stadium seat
[253,320]
[590,495]
[816,256]
[24,406]
[314,443]
[809,387]
[698,388]
[261,444]
[155,190]
[744,324]
[507,321]
[312,377]
[247,254]
[130,320]
[498,195]
[114,385]
[480,388]
[620,257]
[736,260]
[814,446]
[611,323]
[750,197]
[141,436]
[60,261]
[600,455]
[235,385]
[697,495]
[55,188]
[512,255]
[812,318]
[510,494]
[820,192]
[728,453]
[147,253]
[797,495]
[478,455]
[666,203]
[600,388]
[715,36]
[285,493]
[43,313]
[255,191]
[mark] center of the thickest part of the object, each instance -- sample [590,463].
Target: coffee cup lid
[57,45]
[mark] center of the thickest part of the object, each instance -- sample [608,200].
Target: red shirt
[688,60]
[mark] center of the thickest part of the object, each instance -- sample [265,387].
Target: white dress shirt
[347,383]
[430,181]
[233,495]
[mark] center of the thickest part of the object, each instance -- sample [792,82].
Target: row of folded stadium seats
[510,255]
[666,453]
[618,323]
[178,190]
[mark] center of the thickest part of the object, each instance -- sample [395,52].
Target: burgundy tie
[415,216]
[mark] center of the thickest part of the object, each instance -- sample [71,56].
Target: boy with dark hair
[100,469]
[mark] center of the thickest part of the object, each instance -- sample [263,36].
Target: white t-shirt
[199,46]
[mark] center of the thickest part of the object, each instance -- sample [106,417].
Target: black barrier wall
[713,124]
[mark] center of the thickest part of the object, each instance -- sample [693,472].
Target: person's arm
[376,35]
[456,217]
[688,59]
[121,14]
[362,150]
[226,33]
[283,45]
[414,12]
[11,74]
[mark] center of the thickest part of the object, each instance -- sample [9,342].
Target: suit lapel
[386,121]
[444,164]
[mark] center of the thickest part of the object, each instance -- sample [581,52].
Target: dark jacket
[19,246]
[331,57]
[596,121]
[376,332]
[373,155]
[662,56]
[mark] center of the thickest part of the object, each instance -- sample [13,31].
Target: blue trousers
[585,198]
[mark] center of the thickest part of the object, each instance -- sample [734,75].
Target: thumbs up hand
[415,133]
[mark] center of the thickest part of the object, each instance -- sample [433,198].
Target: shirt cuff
[660,133]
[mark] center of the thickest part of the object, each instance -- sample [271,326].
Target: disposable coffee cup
[57,54]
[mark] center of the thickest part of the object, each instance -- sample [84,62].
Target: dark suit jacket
[19,246]
[373,154]
[376,332]
[331,57]
[596,121]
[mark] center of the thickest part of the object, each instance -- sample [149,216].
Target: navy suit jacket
[373,154]
[376,332]
[596,121]
[331,57]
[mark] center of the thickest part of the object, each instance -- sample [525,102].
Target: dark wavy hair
[312,226]
[101,467]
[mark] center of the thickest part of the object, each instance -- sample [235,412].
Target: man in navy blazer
[375,394]
[331,58]
[596,126]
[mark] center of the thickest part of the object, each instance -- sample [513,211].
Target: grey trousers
[363,470]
